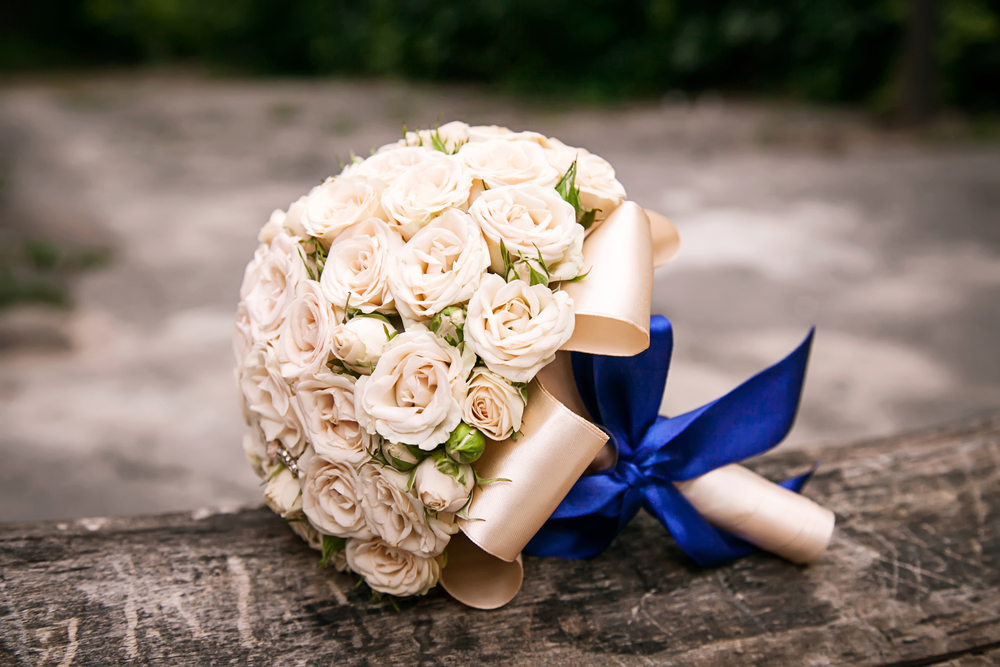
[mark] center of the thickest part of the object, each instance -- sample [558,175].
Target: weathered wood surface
[912,578]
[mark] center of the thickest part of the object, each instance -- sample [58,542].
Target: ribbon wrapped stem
[765,514]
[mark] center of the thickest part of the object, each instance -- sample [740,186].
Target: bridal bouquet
[395,345]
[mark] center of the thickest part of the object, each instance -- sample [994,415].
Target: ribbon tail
[798,483]
[747,421]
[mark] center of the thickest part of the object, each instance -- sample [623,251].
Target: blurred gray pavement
[789,217]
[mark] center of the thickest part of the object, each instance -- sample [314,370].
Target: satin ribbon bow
[623,396]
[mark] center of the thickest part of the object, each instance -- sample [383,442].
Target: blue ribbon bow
[623,395]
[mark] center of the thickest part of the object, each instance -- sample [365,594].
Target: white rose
[488,132]
[326,402]
[398,517]
[269,285]
[357,267]
[269,398]
[331,497]
[440,266]
[359,342]
[516,329]
[446,490]
[273,226]
[282,493]
[255,453]
[304,341]
[452,135]
[531,219]
[414,395]
[424,190]
[599,189]
[493,405]
[391,570]
[242,335]
[500,162]
[299,523]
[387,165]
[340,202]
[495,132]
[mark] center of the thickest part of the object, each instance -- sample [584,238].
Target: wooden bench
[912,578]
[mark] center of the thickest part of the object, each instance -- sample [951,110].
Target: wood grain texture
[912,578]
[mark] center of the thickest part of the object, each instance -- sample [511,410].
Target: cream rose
[398,517]
[357,267]
[493,405]
[452,135]
[599,189]
[299,523]
[331,497]
[255,453]
[269,285]
[414,396]
[340,202]
[595,177]
[289,222]
[391,570]
[501,162]
[424,190]
[242,335]
[283,493]
[386,166]
[304,341]
[269,398]
[440,266]
[359,342]
[443,485]
[488,132]
[326,402]
[531,219]
[516,329]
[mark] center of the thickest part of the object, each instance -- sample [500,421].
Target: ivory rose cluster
[388,326]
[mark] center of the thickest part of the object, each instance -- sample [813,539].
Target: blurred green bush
[825,50]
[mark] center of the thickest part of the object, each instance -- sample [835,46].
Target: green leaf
[566,187]
[537,278]
[337,366]
[579,277]
[277,470]
[437,143]
[331,545]
[508,265]
[480,481]
[586,218]
[375,316]
[389,335]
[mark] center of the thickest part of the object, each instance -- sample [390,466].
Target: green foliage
[827,50]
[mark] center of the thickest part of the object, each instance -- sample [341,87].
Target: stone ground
[789,217]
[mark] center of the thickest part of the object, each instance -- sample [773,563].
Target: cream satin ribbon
[557,440]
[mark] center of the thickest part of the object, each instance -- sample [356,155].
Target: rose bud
[443,485]
[465,444]
[358,343]
[402,457]
[449,324]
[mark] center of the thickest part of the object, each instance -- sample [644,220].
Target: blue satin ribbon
[623,395]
